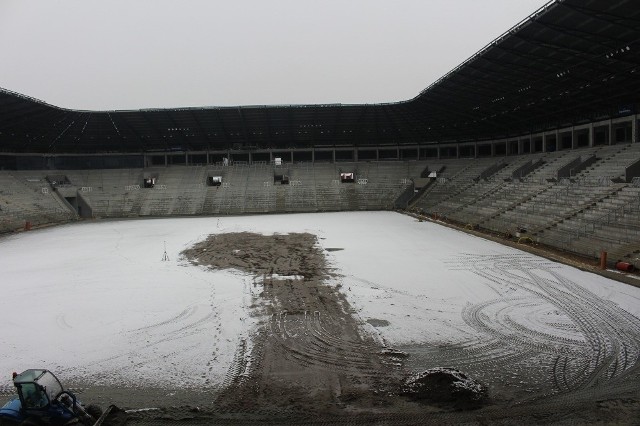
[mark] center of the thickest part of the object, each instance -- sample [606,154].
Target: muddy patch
[310,355]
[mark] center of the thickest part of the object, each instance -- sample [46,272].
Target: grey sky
[126,54]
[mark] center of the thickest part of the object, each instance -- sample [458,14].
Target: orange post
[27,226]
[603,260]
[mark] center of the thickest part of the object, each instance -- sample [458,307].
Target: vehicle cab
[40,395]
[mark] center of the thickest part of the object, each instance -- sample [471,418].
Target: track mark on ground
[589,341]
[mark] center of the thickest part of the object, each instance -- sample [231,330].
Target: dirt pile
[445,385]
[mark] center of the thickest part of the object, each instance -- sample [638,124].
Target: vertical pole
[603,260]
[532,145]
[611,135]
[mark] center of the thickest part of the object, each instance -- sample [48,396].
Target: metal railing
[612,216]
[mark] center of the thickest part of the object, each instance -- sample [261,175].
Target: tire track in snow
[311,343]
[598,346]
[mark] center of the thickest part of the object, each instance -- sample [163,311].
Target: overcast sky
[126,54]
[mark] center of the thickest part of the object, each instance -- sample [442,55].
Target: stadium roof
[571,62]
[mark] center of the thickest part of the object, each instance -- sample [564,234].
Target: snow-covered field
[97,299]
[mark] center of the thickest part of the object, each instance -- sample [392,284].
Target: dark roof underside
[573,62]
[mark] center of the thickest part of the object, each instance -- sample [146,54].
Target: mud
[310,355]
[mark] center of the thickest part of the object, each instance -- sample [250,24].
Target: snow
[96,299]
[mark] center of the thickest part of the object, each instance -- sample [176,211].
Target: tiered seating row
[592,210]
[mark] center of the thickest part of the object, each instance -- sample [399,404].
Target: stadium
[296,263]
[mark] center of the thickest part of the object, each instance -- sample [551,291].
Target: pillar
[611,135]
